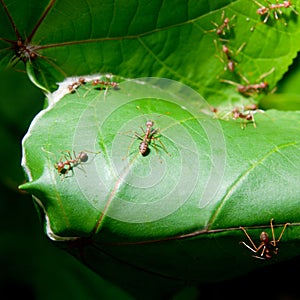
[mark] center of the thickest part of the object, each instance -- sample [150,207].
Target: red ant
[220,29]
[246,114]
[72,87]
[227,53]
[276,8]
[63,167]
[148,137]
[106,83]
[251,89]
[23,49]
[266,248]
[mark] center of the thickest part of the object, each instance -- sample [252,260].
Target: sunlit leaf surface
[181,204]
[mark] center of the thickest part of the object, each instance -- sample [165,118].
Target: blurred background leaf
[172,39]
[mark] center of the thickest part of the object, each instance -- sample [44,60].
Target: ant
[246,114]
[230,62]
[221,29]
[63,167]
[106,83]
[148,137]
[23,49]
[72,87]
[102,84]
[251,89]
[267,248]
[276,8]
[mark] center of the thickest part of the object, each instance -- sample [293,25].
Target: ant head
[264,85]
[149,123]
[81,80]
[262,10]
[264,237]
[59,166]
[226,21]
[95,82]
[225,49]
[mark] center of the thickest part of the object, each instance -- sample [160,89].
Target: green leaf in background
[182,204]
[287,96]
[118,38]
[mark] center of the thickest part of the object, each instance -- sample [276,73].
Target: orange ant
[276,8]
[23,49]
[251,89]
[106,83]
[221,29]
[246,114]
[63,167]
[230,62]
[267,248]
[102,84]
[148,137]
[72,87]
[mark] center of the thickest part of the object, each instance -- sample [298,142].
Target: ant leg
[294,10]
[250,248]
[158,139]
[240,48]
[136,135]
[281,234]
[105,93]
[261,77]
[249,238]
[163,146]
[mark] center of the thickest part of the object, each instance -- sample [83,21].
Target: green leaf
[152,39]
[288,101]
[176,40]
[183,203]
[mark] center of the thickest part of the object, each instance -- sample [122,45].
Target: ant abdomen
[144,148]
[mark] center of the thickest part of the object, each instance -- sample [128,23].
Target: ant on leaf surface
[248,89]
[275,8]
[63,167]
[224,27]
[246,113]
[226,56]
[148,137]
